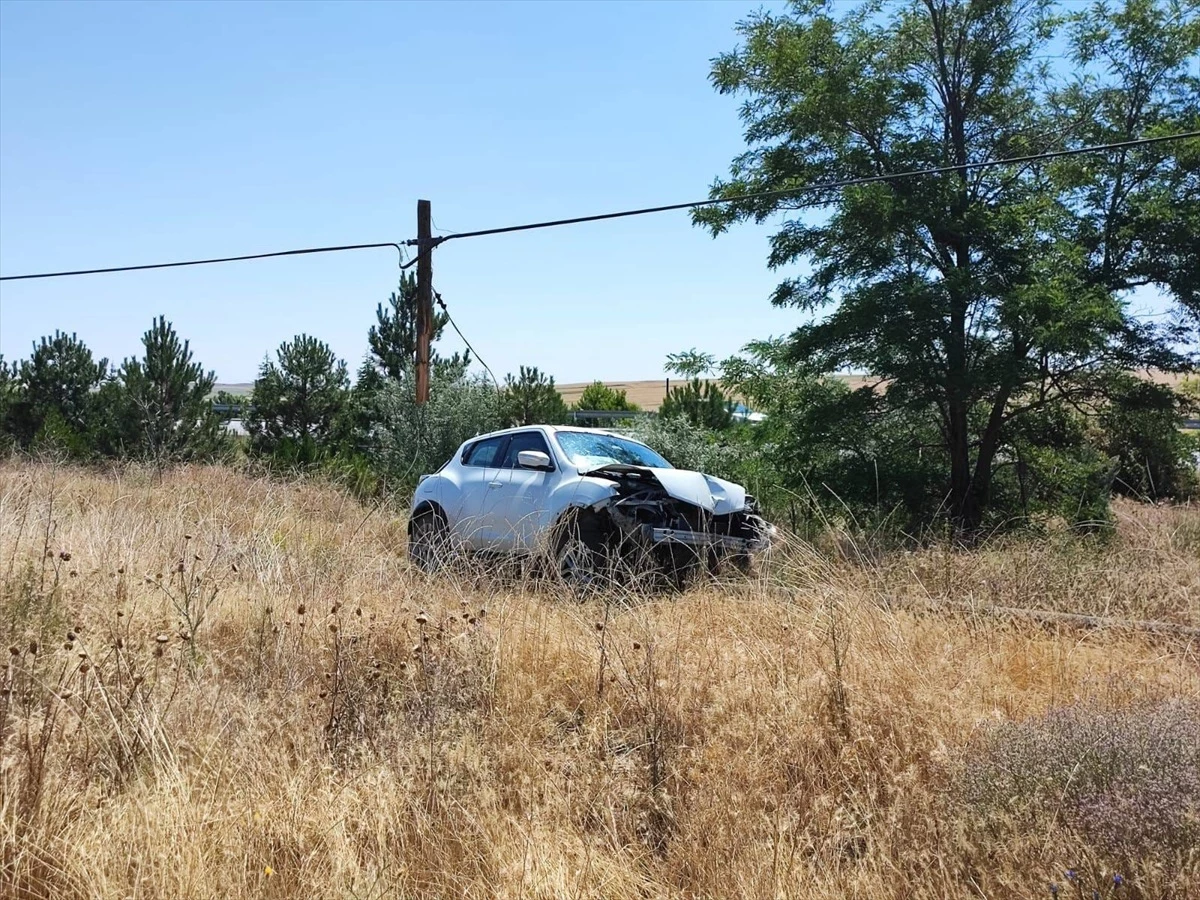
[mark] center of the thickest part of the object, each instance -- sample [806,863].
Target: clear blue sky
[142,132]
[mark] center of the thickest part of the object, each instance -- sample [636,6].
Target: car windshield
[591,451]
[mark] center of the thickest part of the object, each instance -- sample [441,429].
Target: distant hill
[241,389]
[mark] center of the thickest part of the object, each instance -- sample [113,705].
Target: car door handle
[495,484]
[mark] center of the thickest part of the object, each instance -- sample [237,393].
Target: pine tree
[52,400]
[393,338]
[532,399]
[8,396]
[163,407]
[701,403]
[298,403]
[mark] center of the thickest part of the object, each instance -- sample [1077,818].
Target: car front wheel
[428,540]
[580,558]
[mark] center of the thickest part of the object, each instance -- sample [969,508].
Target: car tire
[741,563]
[429,540]
[580,553]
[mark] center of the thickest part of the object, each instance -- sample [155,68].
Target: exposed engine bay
[648,515]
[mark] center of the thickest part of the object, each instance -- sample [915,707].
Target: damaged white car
[595,505]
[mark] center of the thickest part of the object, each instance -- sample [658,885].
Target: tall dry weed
[295,712]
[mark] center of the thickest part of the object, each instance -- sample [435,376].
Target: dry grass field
[216,686]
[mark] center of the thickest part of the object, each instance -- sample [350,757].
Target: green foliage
[1135,214]
[1050,467]
[9,393]
[415,440]
[691,363]
[531,399]
[298,404]
[687,445]
[52,395]
[162,411]
[1155,459]
[598,396]
[238,402]
[701,403]
[980,296]
[393,339]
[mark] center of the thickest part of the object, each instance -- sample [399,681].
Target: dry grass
[299,731]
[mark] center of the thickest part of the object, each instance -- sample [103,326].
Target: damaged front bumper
[706,540]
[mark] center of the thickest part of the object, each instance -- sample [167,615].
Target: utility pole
[424,298]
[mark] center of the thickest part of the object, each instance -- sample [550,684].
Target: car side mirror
[534,459]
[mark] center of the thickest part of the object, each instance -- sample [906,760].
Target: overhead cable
[224,259]
[817,188]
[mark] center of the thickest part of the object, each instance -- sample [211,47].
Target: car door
[482,479]
[526,492]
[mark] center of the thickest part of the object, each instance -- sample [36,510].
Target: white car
[593,503]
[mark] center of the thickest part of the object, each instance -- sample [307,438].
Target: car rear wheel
[428,540]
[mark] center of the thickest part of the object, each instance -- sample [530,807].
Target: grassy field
[227,687]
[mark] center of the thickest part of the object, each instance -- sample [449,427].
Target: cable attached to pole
[449,318]
[224,259]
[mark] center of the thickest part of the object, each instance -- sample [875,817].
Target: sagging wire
[222,259]
[449,318]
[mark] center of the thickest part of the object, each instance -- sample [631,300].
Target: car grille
[736,524]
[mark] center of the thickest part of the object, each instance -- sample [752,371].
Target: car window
[524,440]
[485,453]
[590,451]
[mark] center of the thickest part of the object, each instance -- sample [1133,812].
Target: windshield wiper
[616,467]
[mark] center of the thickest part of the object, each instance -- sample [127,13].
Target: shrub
[1126,781]
[413,440]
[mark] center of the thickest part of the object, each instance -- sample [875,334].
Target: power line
[205,262]
[694,204]
[454,325]
[825,186]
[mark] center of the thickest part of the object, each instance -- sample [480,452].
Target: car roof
[550,429]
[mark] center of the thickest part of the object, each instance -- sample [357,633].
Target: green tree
[1140,430]
[531,399]
[393,338]
[53,400]
[9,392]
[163,410]
[832,450]
[600,397]
[702,403]
[1135,214]
[298,402]
[972,292]
[691,363]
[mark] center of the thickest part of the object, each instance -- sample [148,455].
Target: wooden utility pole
[424,298]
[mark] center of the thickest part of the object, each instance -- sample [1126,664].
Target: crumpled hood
[715,495]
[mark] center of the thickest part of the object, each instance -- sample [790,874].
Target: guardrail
[608,415]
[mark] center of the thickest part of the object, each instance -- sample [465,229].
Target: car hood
[715,495]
